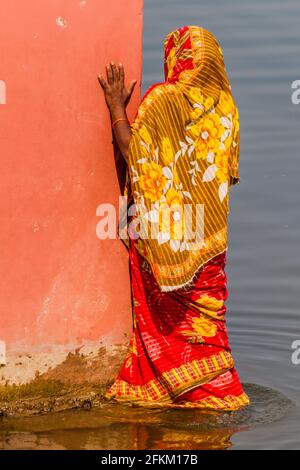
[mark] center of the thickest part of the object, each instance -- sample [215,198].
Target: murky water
[260,41]
[119,427]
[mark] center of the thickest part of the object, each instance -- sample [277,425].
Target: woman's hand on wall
[114,89]
[117,96]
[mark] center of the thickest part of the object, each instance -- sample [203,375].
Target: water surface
[260,41]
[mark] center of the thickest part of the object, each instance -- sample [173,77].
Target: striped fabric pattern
[179,354]
[184,152]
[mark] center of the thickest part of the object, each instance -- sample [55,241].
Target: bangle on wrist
[118,120]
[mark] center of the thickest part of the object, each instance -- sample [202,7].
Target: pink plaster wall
[60,285]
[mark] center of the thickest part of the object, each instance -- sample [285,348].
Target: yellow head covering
[183,156]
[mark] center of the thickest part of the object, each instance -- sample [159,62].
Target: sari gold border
[228,403]
[216,243]
[172,383]
[210,403]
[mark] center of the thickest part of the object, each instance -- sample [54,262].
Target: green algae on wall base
[78,382]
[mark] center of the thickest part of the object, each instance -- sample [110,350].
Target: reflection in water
[119,427]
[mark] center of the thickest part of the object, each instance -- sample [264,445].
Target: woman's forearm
[121,129]
[117,96]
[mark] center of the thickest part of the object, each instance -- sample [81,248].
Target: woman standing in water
[181,151]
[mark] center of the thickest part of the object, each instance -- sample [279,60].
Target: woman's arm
[121,129]
[117,97]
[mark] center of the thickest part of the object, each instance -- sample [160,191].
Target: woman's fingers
[109,74]
[131,87]
[112,73]
[121,74]
[102,82]
[115,71]
[129,91]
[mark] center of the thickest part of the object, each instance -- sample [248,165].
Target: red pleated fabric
[179,355]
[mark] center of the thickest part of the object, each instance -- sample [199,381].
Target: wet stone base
[78,382]
[37,399]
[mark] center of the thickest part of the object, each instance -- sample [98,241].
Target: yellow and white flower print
[219,170]
[147,150]
[209,138]
[145,136]
[167,151]
[204,327]
[200,327]
[226,104]
[221,161]
[210,306]
[200,105]
[152,181]
[162,187]
[168,214]
[211,133]
[196,95]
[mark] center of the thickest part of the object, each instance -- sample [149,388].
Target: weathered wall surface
[61,287]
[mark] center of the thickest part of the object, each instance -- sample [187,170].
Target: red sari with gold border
[179,355]
[184,149]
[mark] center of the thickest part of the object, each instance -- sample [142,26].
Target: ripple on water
[115,426]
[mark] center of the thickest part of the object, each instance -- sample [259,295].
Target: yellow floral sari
[184,154]
[183,151]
